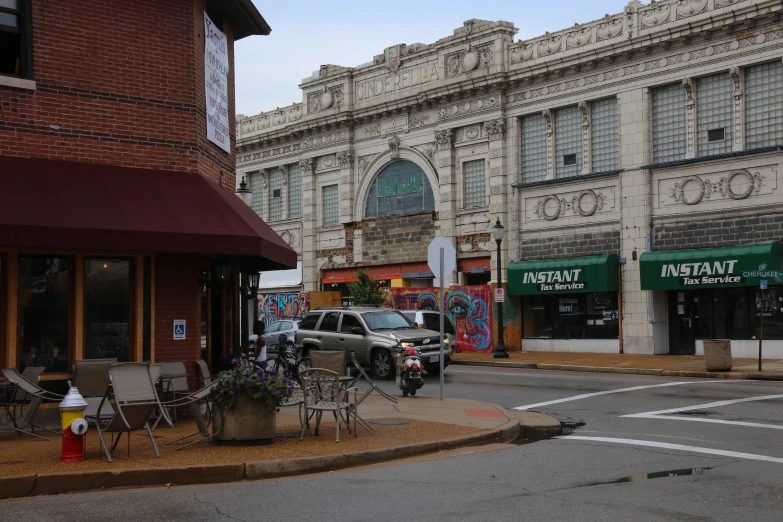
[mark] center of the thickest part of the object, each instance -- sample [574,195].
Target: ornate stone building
[633,160]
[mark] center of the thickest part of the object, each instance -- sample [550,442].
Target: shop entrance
[682,333]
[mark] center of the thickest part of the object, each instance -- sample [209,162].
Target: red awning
[383,272]
[471,263]
[65,205]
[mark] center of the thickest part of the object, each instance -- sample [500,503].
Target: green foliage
[366,290]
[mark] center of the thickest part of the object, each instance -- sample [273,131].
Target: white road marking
[717,404]
[716,421]
[621,390]
[678,447]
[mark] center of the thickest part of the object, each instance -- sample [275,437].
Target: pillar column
[309,226]
[345,162]
[738,81]
[498,190]
[446,190]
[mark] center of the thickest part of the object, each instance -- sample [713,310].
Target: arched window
[400,188]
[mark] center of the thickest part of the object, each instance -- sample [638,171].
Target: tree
[366,291]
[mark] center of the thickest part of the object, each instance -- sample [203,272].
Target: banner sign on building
[216,84]
[563,276]
[712,267]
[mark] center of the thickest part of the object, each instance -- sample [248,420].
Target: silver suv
[376,335]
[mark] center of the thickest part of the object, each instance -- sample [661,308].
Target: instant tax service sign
[216,83]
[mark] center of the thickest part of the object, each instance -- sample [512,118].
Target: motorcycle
[410,372]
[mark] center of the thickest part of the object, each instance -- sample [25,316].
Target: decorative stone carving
[418,119]
[693,189]
[469,133]
[578,37]
[521,52]
[547,113]
[247,126]
[444,139]
[734,72]
[372,130]
[470,59]
[428,150]
[609,28]
[323,100]
[495,129]
[468,107]
[739,121]
[279,118]
[584,109]
[325,139]
[394,146]
[306,165]
[295,113]
[687,8]
[655,15]
[344,158]
[725,3]
[585,204]
[549,45]
[325,162]
[364,162]
[690,115]
[630,11]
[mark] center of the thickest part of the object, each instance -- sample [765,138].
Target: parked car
[376,335]
[430,320]
[272,333]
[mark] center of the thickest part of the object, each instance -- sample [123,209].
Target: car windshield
[388,320]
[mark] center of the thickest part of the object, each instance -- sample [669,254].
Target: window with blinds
[475,183]
[604,135]
[668,104]
[533,158]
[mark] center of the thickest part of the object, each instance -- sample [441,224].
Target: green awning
[563,276]
[712,267]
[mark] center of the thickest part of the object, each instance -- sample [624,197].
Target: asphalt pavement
[641,447]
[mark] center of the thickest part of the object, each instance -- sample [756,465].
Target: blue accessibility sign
[179,329]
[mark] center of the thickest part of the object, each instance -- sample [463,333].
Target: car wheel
[413,392]
[382,365]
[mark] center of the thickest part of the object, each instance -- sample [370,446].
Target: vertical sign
[179,329]
[216,84]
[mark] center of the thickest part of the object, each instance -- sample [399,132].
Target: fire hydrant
[73,425]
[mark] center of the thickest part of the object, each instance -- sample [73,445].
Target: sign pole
[440,278]
[761,322]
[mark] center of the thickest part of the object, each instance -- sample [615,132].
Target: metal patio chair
[177,386]
[91,378]
[322,392]
[27,398]
[191,401]
[135,400]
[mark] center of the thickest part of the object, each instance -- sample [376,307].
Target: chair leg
[103,444]
[338,425]
[152,440]
[301,437]
[114,443]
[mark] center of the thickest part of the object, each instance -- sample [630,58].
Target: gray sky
[308,33]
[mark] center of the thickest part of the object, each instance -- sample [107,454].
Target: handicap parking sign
[179,329]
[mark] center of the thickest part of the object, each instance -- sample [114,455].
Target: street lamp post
[498,232]
[246,195]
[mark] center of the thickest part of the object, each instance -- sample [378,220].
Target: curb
[58,483]
[766,376]
[628,371]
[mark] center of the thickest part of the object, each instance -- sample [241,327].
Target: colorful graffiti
[468,307]
[283,305]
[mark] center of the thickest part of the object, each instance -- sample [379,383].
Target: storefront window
[2,309]
[44,312]
[107,305]
[574,316]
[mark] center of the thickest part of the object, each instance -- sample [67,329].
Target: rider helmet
[410,352]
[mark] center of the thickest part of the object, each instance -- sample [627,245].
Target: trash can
[717,355]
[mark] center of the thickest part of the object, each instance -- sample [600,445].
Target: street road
[651,448]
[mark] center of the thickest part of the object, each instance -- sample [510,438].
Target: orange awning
[384,272]
[466,265]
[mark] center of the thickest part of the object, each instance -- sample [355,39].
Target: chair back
[24,386]
[206,378]
[319,385]
[156,369]
[373,386]
[333,361]
[134,394]
[33,375]
[178,384]
[91,376]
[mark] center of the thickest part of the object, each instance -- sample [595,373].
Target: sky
[308,33]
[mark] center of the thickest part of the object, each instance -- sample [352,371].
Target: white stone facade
[464,97]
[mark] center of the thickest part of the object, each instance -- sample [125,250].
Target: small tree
[366,290]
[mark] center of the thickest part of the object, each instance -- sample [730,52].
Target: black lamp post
[498,232]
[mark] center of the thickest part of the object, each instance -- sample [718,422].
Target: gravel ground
[24,456]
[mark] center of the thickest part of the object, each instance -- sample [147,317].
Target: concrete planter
[251,422]
[717,355]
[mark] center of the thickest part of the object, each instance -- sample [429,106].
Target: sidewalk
[668,365]
[31,467]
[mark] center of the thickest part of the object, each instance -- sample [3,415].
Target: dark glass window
[309,322]
[13,38]
[329,324]
[107,306]
[44,312]
[350,321]
[575,316]
[400,188]
[2,309]
[432,322]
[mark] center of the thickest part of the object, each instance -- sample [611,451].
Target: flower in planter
[269,387]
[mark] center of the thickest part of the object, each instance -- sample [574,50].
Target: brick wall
[177,296]
[718,232]
[118,83]
[571,245]
[398,239]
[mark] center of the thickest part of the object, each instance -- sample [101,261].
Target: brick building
[639,150]
[120,234]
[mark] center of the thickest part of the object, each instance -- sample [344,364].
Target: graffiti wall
[282,305]
[468,307]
